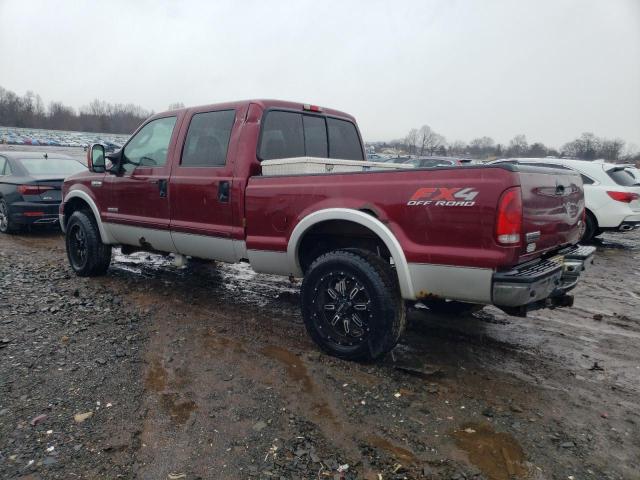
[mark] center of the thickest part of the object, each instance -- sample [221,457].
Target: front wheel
[88,256]
[352,306]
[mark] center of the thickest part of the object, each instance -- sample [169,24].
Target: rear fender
[366,220]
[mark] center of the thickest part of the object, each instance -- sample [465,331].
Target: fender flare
[364,219]
[104,234]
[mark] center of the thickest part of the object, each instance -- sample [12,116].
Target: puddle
[178,411]
[297,371]
[497,455]
[293,365]
[213,340]
[397,452]
[157,377]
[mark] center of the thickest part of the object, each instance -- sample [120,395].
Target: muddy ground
[158,372]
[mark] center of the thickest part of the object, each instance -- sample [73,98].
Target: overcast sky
[549,69]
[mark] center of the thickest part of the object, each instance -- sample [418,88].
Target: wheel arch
[362,219]
[78,200]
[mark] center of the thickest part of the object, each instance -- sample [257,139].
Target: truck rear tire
[352,306]
[87,255]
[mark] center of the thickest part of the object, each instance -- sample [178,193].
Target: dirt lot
[156,372]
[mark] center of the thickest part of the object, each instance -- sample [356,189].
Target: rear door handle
[223,191]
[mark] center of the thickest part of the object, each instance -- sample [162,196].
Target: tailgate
[552,204]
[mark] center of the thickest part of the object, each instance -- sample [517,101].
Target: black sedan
[31,188]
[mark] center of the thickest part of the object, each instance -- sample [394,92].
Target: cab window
[282,136]
[208,139]
[344,142]
[149,147]
[292,134]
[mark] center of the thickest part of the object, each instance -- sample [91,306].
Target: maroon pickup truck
[223,182]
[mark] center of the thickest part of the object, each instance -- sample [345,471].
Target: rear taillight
[509,222]
[33,189]
[626,197]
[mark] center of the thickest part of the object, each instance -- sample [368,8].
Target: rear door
[552,206]
[203,189]
[138,206]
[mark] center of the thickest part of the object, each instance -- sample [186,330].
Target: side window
[282,136]
[315,136]
[344,142]
[149,146]
[586,180]
[3,163]
[208,139]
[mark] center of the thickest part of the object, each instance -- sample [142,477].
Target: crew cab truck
[194,182]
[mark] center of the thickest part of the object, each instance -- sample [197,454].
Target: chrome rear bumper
[543,283]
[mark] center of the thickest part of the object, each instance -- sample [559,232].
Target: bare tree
[410,141]
[429,141]
[518,146]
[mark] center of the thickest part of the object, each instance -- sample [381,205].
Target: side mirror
[96,158]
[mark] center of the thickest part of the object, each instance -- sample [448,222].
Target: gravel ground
[206,372]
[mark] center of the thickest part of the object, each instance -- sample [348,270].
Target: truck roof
[264,103]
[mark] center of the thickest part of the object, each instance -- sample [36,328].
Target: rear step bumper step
[541,284]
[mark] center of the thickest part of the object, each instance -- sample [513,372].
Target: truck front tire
[88,256]
[352,306]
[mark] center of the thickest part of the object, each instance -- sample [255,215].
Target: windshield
[51,166]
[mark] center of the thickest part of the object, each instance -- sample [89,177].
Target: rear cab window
[291,134]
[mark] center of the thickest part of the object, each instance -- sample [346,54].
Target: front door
[201,190]
[138,208]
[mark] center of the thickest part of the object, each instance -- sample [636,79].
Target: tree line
[424,141]
[29,111]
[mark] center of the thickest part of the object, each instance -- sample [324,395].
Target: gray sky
[550,69]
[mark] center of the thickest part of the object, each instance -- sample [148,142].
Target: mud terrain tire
[351,305]
[87,255]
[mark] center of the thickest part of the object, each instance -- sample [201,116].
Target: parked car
[439,161]
[612,194]
[202,182]
[30,188]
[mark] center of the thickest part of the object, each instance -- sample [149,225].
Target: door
[202,189]
[138,207]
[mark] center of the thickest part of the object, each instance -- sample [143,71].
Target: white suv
[611,193]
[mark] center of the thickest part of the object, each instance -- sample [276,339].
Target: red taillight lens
[33,189]
[626,197]
[509,223]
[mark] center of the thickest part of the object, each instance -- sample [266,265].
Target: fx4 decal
[444,197]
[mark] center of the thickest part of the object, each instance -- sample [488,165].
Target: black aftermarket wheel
[87,254]
[351,305]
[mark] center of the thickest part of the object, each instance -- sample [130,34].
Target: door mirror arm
[116,162]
